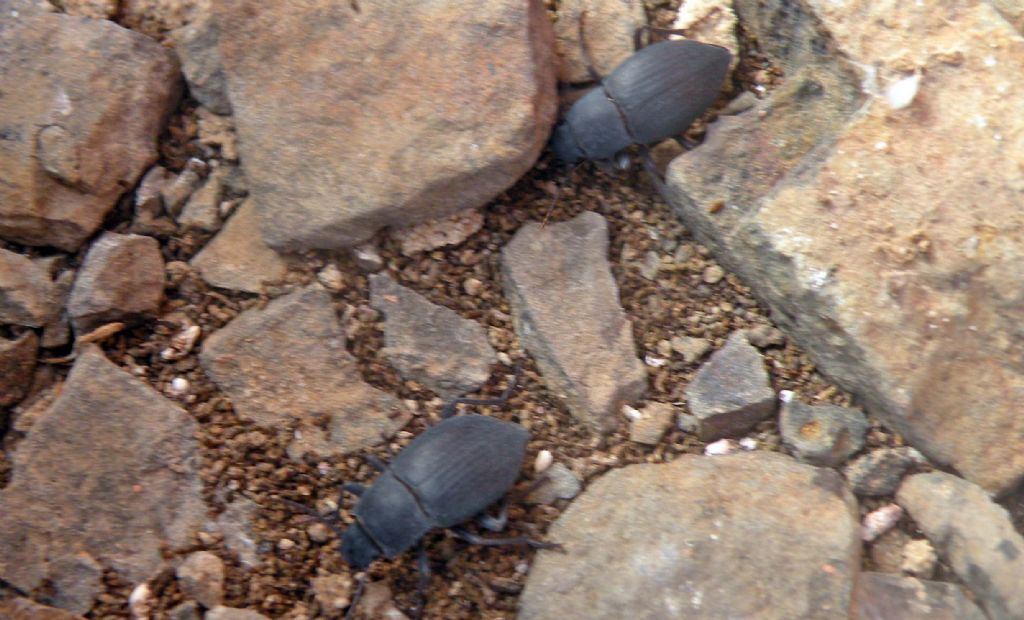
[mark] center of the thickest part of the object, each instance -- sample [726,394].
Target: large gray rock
[287,364]
[429,343]
[565,309]
[122,278]
[853,207]
[974,535]
[753,535]
[350,119]
[107,476]
[890,597]
[84,102]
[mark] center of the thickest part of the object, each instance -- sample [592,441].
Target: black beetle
[446,476]
[654,94]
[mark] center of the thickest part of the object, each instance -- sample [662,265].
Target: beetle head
[357,547]
[564,145]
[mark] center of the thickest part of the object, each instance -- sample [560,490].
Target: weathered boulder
[702,538]
[875,202]
[355,117]
[84,102]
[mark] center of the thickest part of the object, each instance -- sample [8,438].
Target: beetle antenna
[449,409]
[360,586]
[558,194]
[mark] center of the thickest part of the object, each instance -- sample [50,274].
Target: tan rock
[350,120]
[877,205]
[84,101]
[608,28]
[237,258]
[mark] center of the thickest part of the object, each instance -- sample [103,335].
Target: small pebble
[367,257]
[919,559]
[721,447]
[748,443]
[652,263]
[178,386]
[713,274]
[880,521]
[472,286]
[764,336]
[543,461]
[285,544]
[140,602]
[318,532]
[331,278]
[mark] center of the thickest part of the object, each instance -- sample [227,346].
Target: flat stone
[26,609]
[201,577]
[286,364]
[692,349]
[121,279]
[879,596]
[375,152]
[973,535]
[812,177]
[26,291]
[431,344]
[451,230]
[559,483]
[656,418]
[110,469]
[584,349]
[17,363]
[221,612]
[84,102]
[237,258]
[608,27]
[731,392]
[696,538]
[824,435]
[879,472]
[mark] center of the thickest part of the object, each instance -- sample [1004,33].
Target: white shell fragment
[901,93]
[139,602]
[181,344]
[880,521]
[543,461]
[721,447]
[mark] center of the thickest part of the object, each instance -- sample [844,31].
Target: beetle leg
[638,37]
[495,524]
[652,170]
[476,539]
[423,581]
[360,584]
[588,60]
[376,463]
[352,487]
[449,409]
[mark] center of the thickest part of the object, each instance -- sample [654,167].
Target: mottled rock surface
[17,361]
[25,609]
[451,230]
[824,435]
[84,101]
[584,348]
[879,472]
[891,597]
[429,343]
[702,538]
[336,144]
[731,392]
[287,364]
[107,476]
[880,219]
[122,278]
[238,258]
[26,291]
[972,534]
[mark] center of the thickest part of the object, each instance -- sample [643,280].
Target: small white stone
[543,461]
[139,602]
[901,93]
[178,387]
[631,412]
[880,521]
[721,447]
[786,396]
[748,443]
[654,362]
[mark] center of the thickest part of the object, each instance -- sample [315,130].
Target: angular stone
[196,46]
[201,577]
[26,609]
[84,102]
[608,27]
[584,348]
[110,469]
[237,258]
[17,362]
[431,344]
[833,221]
[237,524]
[974,536]
[26,291]
[202,210]
[879,472]
[656,418]
[731,392]
[824,435]
[287,364]
[887,597]
[374,151]
[559,483]
[451,230]
[178,189]
[702,538]
[78,580]
[122,278]
[692,349]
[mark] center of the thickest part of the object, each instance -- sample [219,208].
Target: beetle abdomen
[461,466]
[391,515]
[664,87]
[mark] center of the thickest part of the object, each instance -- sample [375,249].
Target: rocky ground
[181,366]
